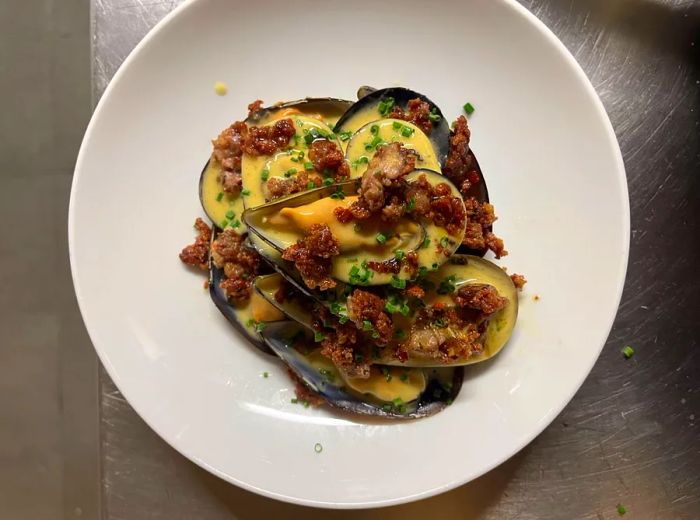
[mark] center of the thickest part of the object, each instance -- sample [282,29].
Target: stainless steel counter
[631,435]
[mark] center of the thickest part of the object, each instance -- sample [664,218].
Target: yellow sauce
[290,224]
[403,383]
[389,131]
[220,88]
[218,204]
[257,170]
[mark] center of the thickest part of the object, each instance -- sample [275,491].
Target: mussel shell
[333,106]
[213,208]
[350,120]
[434,398]
[216,275]
[468,269]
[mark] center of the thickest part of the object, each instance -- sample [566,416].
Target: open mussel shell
[281,223]
[327,109]
[439,285]
[366,110]
[223,209]
[440,386]
[237,315]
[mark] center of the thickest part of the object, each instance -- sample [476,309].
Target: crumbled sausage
[480,297]
[390,163]
[365,306]
[304,394]
[240,264]
[254,107]
[328,159]
[417,112]
[480,217]
[266,140]
[340,345]
[228,151]
[437,204]
[415,291]
[278,187]
[197,254]
[518,280]
[459,166]
[312,256]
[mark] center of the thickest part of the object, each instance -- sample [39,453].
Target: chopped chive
[447,286]
[308,165]
[434,116]
[294,400]
[405,310]
[224,223]
[220,196]
[390,308]
[422,271]
[265,174]
[386,374]
[440,323]
[338,194]
[381,238]
[366,325]
[411,205]
[375,334]
[344,136]
[400,334]
[445,242]
[374,129]
[407,131]
[628,352]
[245,192]
[319,336]
[230,214]
[290,172]
[396,125]
[265,375]
[236,223]
[426,242]
[363,159]
[399,254]
[385,106]
[295,159]
[327,182]
[259,327]
[397,283]
[310,185]
[343,319]
[386,407]
[301,154]
[318,448]
[621,510]
[250,322]
[403,378]
[469,108]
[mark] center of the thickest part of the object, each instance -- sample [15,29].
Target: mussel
[377,105]
[394,392]
[424,339]
[223,209]
[245,317]
[283,222]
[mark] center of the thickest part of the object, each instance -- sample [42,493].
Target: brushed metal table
[631,435]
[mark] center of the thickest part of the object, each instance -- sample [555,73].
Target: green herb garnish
[628,352]
[308,165]
[220,196]
[381,238]
[344,136]
[385,106]
[469,108]
[397,283]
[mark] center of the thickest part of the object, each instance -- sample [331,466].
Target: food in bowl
[348,239]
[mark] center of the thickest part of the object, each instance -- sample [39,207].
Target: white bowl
[554,173]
